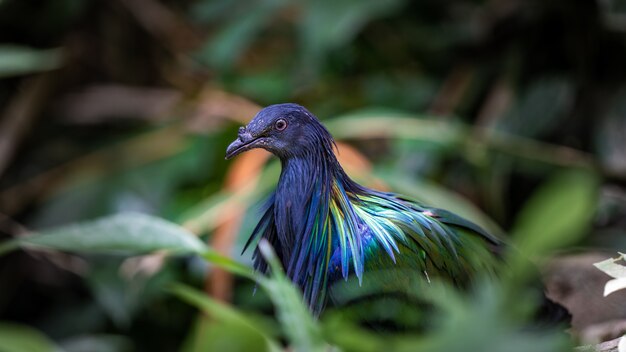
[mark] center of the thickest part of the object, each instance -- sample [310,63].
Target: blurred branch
[176,35]
[536,150]
[212,104]
[453,90]
[497,102]
[102,102]
[166,26]
[21,114]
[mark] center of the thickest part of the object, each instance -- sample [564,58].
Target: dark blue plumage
[326,227]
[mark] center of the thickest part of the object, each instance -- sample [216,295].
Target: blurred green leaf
[241,326]
[374,123]
[482,321]
[328,24]
[228,264]
[558,213]
[126,233]
[303,333]
[122,295]
[236,35]
[19,60]
[478,320]
[346,335]
[97,343]
[21,338]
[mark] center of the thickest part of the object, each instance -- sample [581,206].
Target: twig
[20,115]
[452,92]
[165,25]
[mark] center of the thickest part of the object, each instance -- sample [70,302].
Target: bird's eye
[280,124]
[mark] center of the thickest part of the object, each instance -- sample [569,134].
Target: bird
[327,229]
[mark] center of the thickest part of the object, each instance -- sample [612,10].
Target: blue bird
[326,228]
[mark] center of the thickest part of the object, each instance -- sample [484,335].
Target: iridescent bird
[325,227]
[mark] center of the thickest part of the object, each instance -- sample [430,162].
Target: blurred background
[509,112]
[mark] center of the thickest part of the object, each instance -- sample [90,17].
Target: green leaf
[20,338]
[303,332]
[328,24]
[228,264]
[348,336]
[241,325]
[97,343]
[125,233]
[18,60]
[238,34]
[558,213]
[371,123]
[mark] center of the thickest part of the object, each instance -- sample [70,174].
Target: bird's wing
[425,239]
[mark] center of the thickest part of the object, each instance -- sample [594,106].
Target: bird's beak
[244,142]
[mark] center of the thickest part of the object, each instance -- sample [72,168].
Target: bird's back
[407,246]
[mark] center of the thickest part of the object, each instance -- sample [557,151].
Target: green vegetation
[121,225]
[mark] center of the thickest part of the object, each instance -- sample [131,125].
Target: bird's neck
[304,188]
[300,175]
[299,178]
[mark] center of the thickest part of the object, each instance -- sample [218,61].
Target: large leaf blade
[558,213]
[125,233]
[301,329]
[19,338]
[244,327]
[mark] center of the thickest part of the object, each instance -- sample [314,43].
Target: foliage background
[509,112]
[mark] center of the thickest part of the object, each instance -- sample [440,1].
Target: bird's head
[286,130]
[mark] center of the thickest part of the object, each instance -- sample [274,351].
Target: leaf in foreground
[240,325]
[126,233]
[558,213]
[19,338]
[303,332]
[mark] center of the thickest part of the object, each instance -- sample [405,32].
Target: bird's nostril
[242,130]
